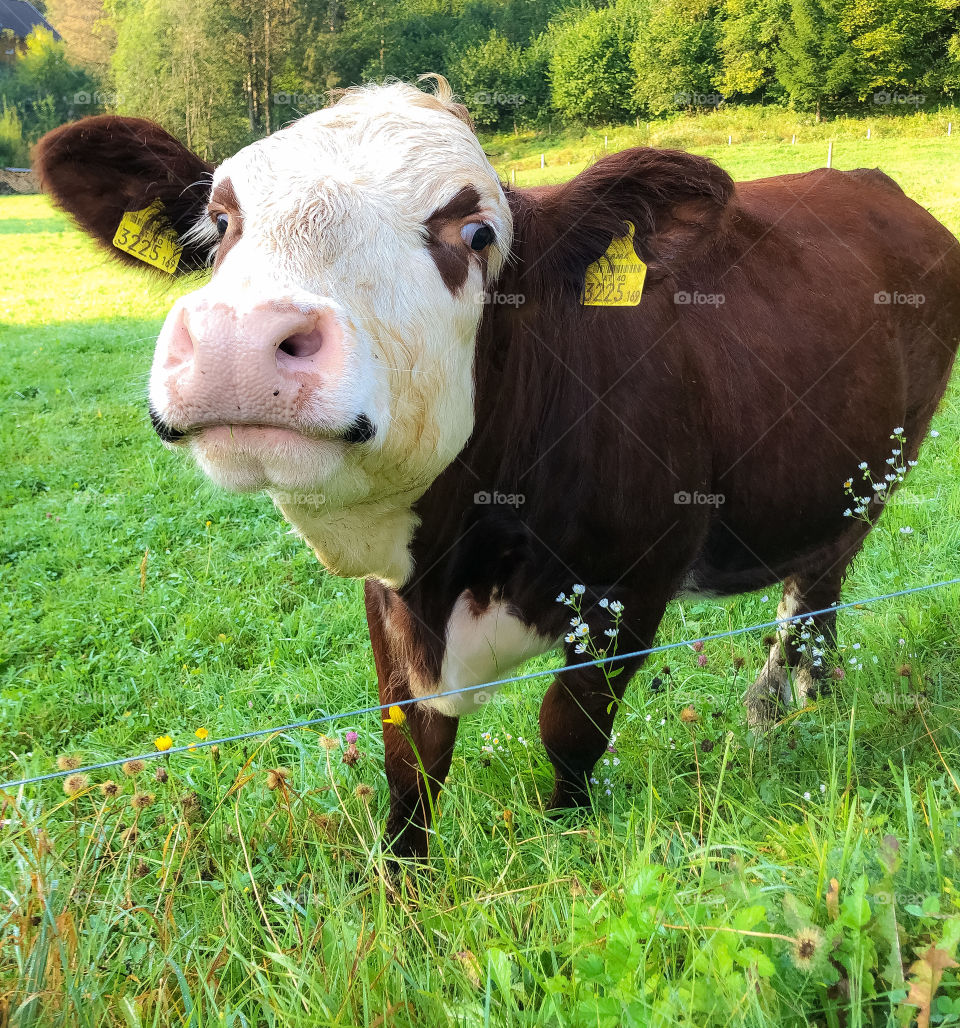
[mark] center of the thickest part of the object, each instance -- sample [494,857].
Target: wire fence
[360,711]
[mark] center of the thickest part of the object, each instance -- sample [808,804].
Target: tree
[591,78]
[43,88]
[675,57]
[814,59]
[502,83]
[747,42]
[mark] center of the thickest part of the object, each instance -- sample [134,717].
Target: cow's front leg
[576,718]
[417,756]
[418,741]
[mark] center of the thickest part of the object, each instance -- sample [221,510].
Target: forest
[221,73]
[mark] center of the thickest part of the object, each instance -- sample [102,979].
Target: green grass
[139,602]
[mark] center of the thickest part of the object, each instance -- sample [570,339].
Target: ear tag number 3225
[616,280]
[144,235]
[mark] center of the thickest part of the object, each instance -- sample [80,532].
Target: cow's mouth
[360,430]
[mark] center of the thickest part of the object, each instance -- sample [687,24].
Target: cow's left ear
[675,201]
[101,167]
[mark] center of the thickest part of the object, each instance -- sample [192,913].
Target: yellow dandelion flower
[396,716]
[163,742]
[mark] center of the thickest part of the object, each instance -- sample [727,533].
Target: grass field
[809,878]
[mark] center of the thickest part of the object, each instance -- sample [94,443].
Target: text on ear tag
[148,237]
[616,279]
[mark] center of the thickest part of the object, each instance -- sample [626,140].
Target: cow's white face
[329,360]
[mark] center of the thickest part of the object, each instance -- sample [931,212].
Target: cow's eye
[223,223]
[478,235]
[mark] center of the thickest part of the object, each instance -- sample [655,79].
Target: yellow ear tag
[145,235]
[616,280]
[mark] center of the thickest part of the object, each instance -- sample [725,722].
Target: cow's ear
[675,201]
[101,167]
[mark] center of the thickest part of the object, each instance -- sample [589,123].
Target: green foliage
[13,147]
[748,35]
[814,60]
[590,74]
[675,56]
[503,83]
[42,89]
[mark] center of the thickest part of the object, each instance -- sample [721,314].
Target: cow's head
[329,359]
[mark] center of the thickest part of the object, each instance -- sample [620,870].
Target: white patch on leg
[480,648]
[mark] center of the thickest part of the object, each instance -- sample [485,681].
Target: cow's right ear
[101,167]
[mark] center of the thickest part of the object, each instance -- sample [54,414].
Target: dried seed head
[905,671]
[109,789]
[192,808]
[141,800]
[351,755]
[73,784]
[161,775]
[739,663]
[364,792]
[142,869]
[129,837]
[807,947]
[215,753]
[327,743]
[68,762]
[133,767]
[277,777]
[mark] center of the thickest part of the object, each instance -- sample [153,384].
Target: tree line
[220,73]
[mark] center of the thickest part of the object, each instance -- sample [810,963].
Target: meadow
[807,877]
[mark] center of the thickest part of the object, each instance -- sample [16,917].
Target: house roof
[22,18]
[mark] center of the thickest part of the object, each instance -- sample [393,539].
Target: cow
[392,341]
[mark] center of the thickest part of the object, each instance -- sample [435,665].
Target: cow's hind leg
[796,666]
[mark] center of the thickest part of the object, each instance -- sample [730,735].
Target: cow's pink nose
[226,365]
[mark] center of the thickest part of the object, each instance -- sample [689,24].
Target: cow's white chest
[480,648]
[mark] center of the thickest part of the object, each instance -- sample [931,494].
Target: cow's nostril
[302,344]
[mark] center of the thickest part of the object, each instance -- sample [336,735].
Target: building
[17,20]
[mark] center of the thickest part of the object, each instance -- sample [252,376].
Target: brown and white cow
[341,358]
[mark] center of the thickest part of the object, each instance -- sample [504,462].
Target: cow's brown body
[600,416]
[769,395]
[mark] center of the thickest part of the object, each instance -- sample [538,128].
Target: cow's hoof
[410,843]
[566,797]
[776,688]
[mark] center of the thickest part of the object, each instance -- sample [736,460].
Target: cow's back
[839,322]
